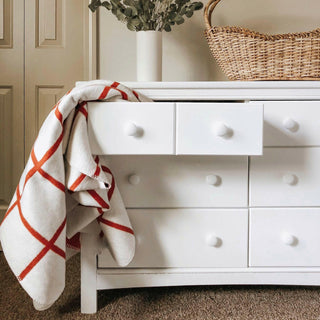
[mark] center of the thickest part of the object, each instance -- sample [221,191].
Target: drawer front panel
[285,177]
[181,181]
[219,128]
[284,237]
[131,128]
[292,123]
[187,238]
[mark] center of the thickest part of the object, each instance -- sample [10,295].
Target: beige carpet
[219,303]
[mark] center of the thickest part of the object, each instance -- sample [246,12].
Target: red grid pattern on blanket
[37,168]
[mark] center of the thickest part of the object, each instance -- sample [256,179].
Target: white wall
[186,54]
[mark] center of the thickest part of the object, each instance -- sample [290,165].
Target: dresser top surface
[224,85]
[229,90]
[226,90]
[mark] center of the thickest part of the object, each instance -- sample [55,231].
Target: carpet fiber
[210,302]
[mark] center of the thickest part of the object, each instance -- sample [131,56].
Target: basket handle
[208,12]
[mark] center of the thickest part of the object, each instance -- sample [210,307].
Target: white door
[45,47]
[56,56]
[11,98]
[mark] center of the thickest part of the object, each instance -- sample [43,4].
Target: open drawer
[175,128]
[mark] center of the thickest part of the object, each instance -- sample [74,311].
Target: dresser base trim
[133,280]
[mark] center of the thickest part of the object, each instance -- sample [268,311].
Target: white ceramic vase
[149,55]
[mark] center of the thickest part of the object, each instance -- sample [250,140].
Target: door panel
[42,54]
[56,56]
[11,99]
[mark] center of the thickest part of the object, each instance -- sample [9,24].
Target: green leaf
[134,11]
[120,16]
[138,5]
[131,26]
[172,15]
[107,5]
[151,5]
[189,14]
[183,11]
[179,19]
[94,5]
[117,4]
[198,5]
[167,27]
[128,12]
[136,22]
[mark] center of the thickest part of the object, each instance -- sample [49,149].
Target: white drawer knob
[222,131]
[289,239]
[131,129]
[290,179]
[134,179]
[213,241]
[213,180]
[290,124]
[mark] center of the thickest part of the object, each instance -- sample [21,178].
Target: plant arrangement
[143,15]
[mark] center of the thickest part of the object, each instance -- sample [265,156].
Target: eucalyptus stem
[157,15]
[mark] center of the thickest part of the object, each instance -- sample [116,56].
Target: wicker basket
[243,54]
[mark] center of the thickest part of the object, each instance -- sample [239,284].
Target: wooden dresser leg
[88,273]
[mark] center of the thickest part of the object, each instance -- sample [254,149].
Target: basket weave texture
[247,55]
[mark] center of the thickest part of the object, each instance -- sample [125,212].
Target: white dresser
[221,181]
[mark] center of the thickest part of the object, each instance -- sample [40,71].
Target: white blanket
[63,189]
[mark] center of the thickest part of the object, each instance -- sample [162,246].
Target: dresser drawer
[219,128]
[284,237]
[187,238]
[285,177]
[131,128]
[181,181]
[292,123]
